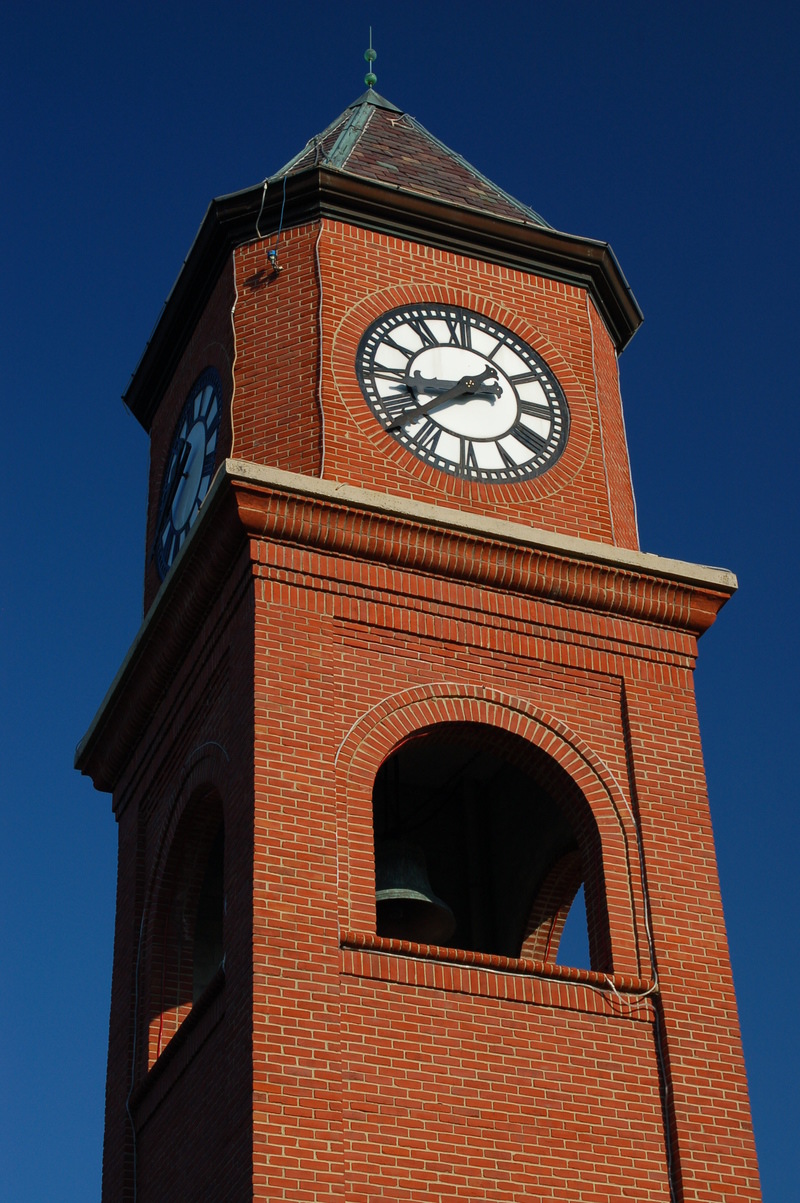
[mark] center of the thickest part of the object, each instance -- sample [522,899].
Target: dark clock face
[463,393]
[190,467]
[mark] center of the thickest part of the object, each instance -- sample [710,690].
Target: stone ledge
[516,533]
[248,503]
[365,955]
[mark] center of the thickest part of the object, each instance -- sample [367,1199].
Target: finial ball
[370,79]
[370,55]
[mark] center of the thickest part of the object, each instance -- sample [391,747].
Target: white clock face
[463,393]
[189,469]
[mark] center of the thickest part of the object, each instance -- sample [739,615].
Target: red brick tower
[405,682]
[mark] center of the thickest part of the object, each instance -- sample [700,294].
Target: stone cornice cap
[249,501]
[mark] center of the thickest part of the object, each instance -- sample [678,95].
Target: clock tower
[407,693]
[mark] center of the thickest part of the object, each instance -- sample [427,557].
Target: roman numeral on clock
[428,435]
[388,341]
[466,456]
[529,438]
[506,458]
[167,542]
[535,409]
[420,328]
[526,378]
[396,375]
[460,329]
[398,405]
[501,342]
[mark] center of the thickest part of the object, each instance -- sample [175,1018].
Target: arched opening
[476,822]
[186,933]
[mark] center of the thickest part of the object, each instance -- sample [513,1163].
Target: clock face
[463,393]
[189,468]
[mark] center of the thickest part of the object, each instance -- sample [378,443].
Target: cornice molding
[318,193]
[249,502]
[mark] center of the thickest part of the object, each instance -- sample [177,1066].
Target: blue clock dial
[190,468]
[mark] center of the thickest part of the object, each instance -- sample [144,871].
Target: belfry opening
[479,844]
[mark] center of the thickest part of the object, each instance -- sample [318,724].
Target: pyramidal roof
[377,167]
[375,140]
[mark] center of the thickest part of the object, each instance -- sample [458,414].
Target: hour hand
[467,385]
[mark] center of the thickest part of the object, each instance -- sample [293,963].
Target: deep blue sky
[670,131]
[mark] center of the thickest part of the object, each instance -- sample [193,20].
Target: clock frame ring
[523,326]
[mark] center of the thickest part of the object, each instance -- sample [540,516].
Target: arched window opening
[477,844]
[186,933]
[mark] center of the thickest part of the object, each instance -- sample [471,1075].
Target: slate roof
[375,140]
[376,166]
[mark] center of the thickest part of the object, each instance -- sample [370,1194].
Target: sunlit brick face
[301,402]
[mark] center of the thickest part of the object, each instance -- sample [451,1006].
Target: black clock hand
[467,386]
[423,384]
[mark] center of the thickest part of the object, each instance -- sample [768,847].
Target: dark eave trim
[319,192]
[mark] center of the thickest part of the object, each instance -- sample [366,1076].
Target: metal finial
[370,79]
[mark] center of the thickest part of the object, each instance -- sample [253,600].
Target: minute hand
[465,387]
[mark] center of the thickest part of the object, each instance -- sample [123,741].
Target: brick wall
[335,278]
[330,1063]
[446,1084]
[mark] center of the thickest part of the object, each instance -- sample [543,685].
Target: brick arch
[205,768]
[348,334]
[187,834]
[596,804]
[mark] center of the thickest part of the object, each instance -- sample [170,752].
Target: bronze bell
[407,907]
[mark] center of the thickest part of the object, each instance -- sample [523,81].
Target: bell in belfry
[407,908]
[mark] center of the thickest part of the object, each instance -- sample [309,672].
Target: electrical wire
[600,421]
[261,210]
[319,341]
[283,206]
[272,256]
[628,455]
[666,1093]
[235,347]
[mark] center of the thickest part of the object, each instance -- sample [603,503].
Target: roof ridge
[312,142]
[453,154]
[349,137]
[419,162]
[366,103]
